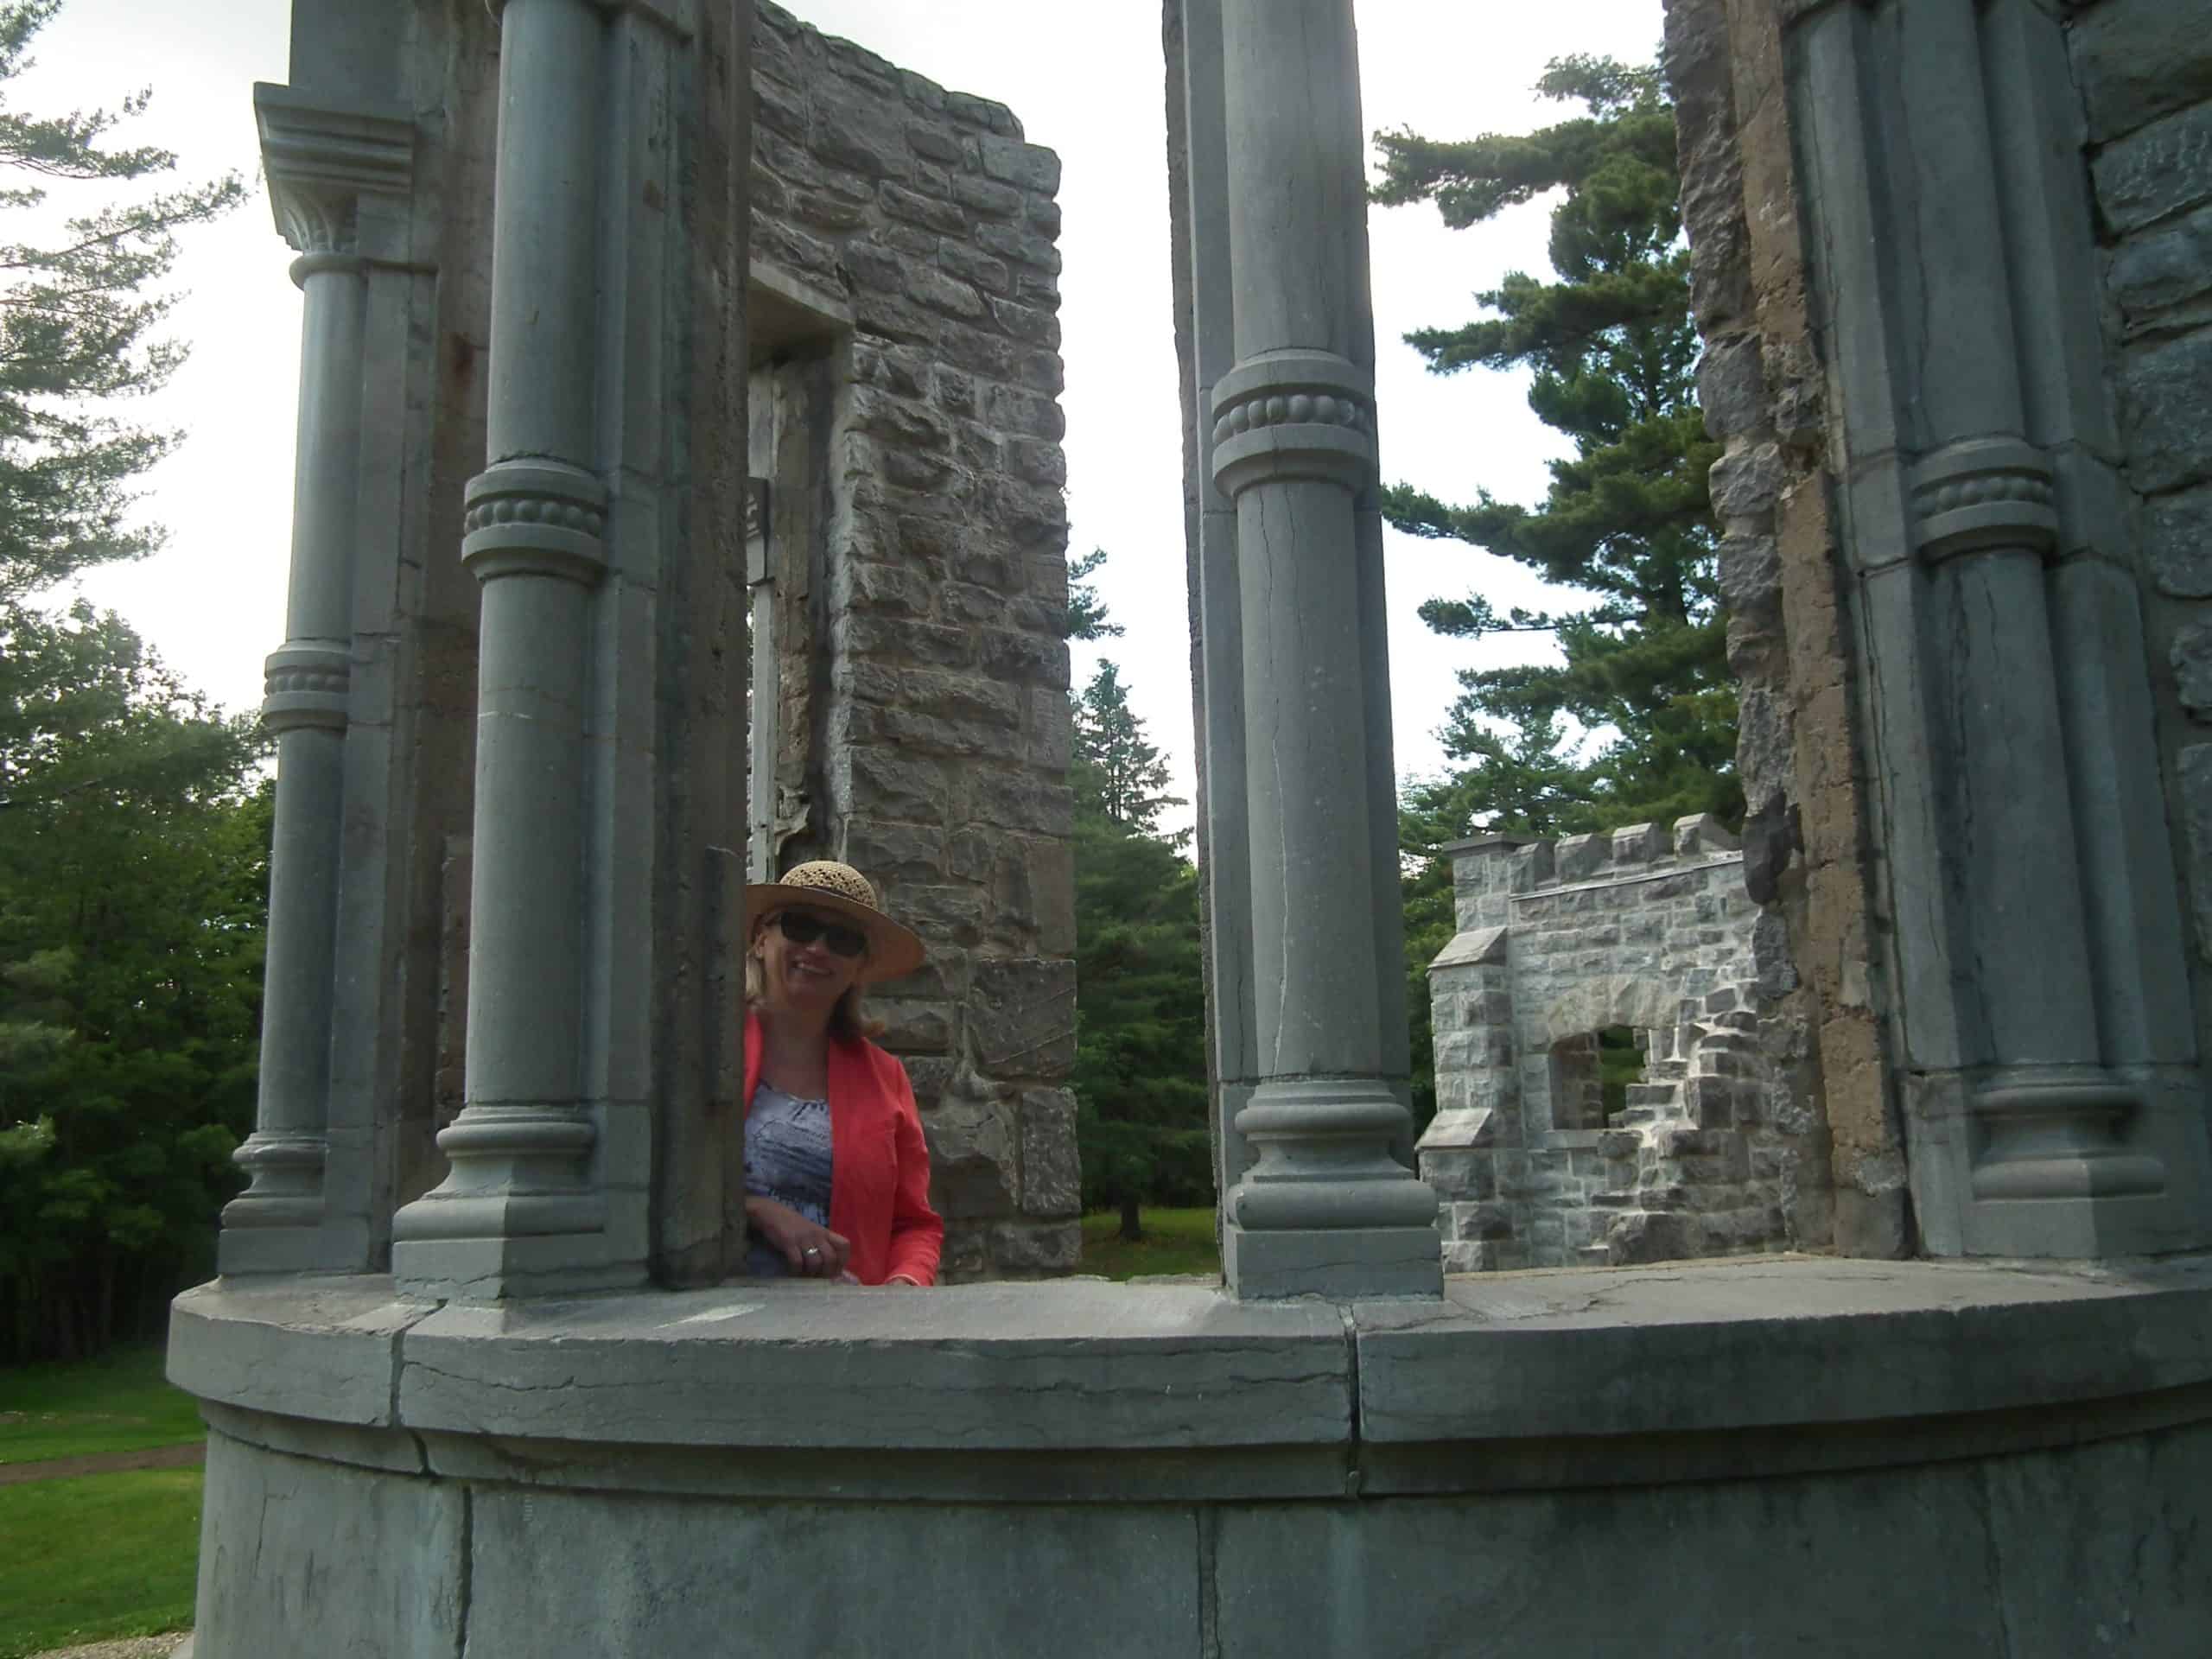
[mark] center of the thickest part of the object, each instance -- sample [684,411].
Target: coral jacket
[878,1162]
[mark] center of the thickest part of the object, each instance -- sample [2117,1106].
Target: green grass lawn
[97,1556]
[118,1403]
[1175,1241]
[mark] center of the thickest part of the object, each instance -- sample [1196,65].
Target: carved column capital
[322,159]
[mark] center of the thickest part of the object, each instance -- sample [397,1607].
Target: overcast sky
[1086,81]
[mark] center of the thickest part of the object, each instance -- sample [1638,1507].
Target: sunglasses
[838,939]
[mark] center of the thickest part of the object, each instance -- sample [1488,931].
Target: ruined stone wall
[1716,1151]
[915,230]
[2143,70]
[1760,384]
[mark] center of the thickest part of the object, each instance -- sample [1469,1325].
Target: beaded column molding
[1325,1208]
[319,164]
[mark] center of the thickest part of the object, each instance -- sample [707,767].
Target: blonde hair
[848,1022]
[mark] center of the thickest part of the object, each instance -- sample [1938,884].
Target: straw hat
[836,889]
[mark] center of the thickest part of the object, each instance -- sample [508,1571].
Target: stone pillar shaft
[520,1206]
[305,707]
[1325,1208]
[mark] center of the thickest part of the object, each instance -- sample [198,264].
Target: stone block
[1641,1236]
[1477,947]
[1036,1246]
[972,1158]
[1017,802]
[670,1577]
[1746,483]
[2167,408]
[1751,580]
[2161,269]
[1028,167]
[2135,60]
[2159,169]
[1774,974]
[2177,541]
[378,1560]
[1469,1222]
[1578,858]
[949,914]
[1458,1174]
[2191,657]
[1636,843]
[2196,778]
[912,1027]
[1052,1174]
[1731,387]
[1458,1131]
[1022,1016]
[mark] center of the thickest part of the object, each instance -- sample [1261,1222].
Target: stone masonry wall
[1716,1153]
[1761,386]
[942,733]
[2143,70]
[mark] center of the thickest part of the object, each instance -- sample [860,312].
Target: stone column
[521,1206]
[2043,1112]
[1199,173]
[1326,1208]
[320,163]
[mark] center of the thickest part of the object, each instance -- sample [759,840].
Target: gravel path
[136,1647]
[105,1463]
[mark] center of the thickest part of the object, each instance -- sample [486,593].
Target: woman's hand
[813,1252]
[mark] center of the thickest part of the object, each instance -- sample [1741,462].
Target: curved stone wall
[1787,1455]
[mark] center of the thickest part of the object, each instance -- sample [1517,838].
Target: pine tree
[133,849]
[79,314]
[1115,770]
[133,904]
[1627,521]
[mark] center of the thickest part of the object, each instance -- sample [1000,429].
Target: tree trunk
[1132,1228]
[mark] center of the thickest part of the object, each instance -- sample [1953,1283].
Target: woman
[837,1172]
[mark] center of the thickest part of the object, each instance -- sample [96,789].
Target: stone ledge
[1769,1343]
[1087,1392]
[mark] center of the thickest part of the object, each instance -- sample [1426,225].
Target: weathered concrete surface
[972,1367]
[1755,1344]
[672,1578]
[1090,1468]
[1967,1559]
[320,1556]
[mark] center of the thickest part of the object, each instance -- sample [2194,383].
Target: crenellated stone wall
[910,599]
[1716,1152]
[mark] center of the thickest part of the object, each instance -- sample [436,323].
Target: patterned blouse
[786,1159]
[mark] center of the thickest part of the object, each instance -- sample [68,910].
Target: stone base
[326,1248]
[488,1270]
[2169,1127]
[1342,1262]
[1086,1469]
